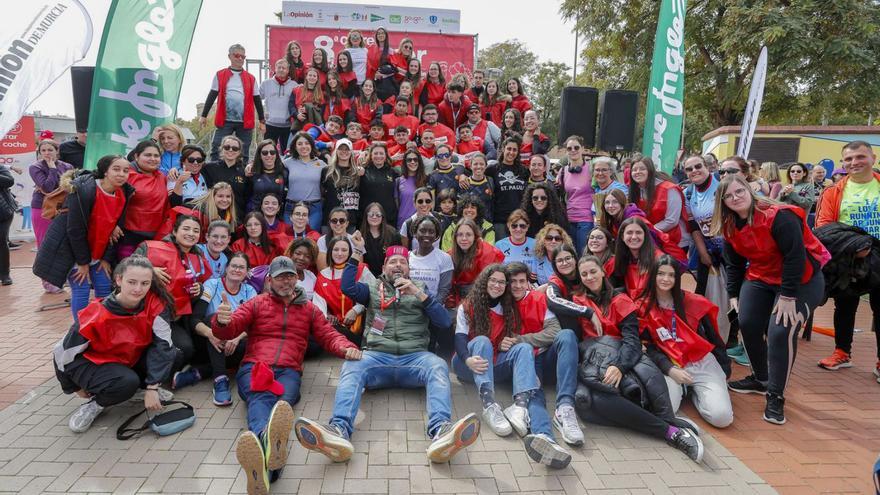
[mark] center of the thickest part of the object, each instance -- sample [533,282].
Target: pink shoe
[51,289]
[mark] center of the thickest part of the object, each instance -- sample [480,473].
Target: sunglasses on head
[195,159]
[269,152]
[228,147]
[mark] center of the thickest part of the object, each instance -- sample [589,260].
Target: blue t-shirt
[543,269]
[524,252]
[213,295]
[218,266]
[700,205]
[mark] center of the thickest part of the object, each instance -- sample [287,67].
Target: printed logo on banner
[374,18]
[15,130]
[358,17]
[433,19]
[394,19]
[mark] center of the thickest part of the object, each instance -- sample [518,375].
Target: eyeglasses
[566,260]
[300,215]
[268,152]
[723,171]
[519,226]
[539,198]
[556,238]
[601,170]
[227,147]
[695,167]
[443,156]
[739,193]
[424,201]
[237,267]
[497,283]
[374,214]
[573,148]
[239,56]
[195,159]
[337,221]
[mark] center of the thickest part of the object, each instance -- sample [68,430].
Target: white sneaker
[566,422]
[84,416]
[518,417]
[494,417]
[165,395]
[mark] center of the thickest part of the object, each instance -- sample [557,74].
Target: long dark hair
[386,232]
[635,194]
[477,304]
[177,223]
[257,163]
[324,66]
[605,220]
[156,286]
[622,255]
[553,213]
[384,48]
[606,292]
[331,243]
[420,176]
[265,245]
[650,292]
[464,260]
[570,285]
[609,244]
[517,124]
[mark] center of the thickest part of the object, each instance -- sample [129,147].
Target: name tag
[664,334]
[378,325]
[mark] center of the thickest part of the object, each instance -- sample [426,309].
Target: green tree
[546,92]
[511,57]
[823,57]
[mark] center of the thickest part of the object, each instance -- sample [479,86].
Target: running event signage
[369,17]
[140,69]
[455,52]
[665,107]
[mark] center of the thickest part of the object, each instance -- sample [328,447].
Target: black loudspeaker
[82,77]
[617,122]
[578,116]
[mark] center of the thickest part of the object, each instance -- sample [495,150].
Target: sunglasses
[227,147]
[691,169]
[557,238]
[539,198]
[424,201]
[724,171]
[338,221]
[374,215]
[412,159]
[519,226]
[193,159]
[573,148]
[239,56]
[268,152]
[443,156]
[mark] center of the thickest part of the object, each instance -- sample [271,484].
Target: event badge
[664,334]
[378,325]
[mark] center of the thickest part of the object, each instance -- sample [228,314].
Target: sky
[224,22]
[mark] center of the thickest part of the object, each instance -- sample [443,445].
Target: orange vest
[118,338]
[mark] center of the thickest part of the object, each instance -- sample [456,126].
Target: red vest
[521,103]
[495,111]
[247,86]
[442,134]
[364,114]
[374,53]
[532,311]
[391,122]
[164,255]
[621,306]
[256,256]
[118,338]
[756,243]
[171,217]
[347,79]
[481,128]
[436,92]
[340,108]
[525,150]
[683,345]
[633,281]
[486,255]
[105,213]
[401,62]
[657,212]
[338,304]
[469,149]
[148,206]
[302,97]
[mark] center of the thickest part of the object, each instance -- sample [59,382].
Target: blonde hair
[157,132]
[770,171]
[50,142]
[208,206]
[723,218]
[540,250]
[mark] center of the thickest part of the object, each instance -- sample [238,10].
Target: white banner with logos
[753,107]
[370,17]
[17,152]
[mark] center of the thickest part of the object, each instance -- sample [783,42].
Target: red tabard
[497,332]
[532,312]
[171,217]
[347,79]
[525,150]
[436,92]
[442,134]
[469,149]
[756,243]
[486,255]
[340,109]
[687,346]
[149,204]
[163,254]
[105,213]
[621,306]
[374,53]
[118,338]
[247,86]
[364,113]
[658,210]
[302,97]
[495,111]
[256,255]
[401,62]
[633,281]
[391,122]
[521,103]
[481,129]
[338,304]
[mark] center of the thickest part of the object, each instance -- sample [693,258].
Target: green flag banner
[665,109]
[140,69]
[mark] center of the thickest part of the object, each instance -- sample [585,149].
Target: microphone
[394,279]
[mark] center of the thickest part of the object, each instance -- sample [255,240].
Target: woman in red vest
[493,103]
[378,52]
[320,63]
[661,200]
[347,76]
[148,208]
[519,100]
[337,102]
[611,210]
[181,267]
[470,254]
[774,269]
[400,58]
[367,107]
[260,248]
[307,101]
[634,256]
[293,55]
[345,315]
[681,329]
[609,398]
[121,343]
[435,85]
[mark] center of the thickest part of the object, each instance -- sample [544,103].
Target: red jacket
[521,103]
[247,86]
[495,111]
[278,333]
[453,115]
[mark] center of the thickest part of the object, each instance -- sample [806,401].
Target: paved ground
[828,445]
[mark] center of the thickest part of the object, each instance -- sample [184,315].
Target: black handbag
[162,424]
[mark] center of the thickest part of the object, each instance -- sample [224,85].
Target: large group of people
[410,225]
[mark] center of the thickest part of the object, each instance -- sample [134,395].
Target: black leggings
[614,410]
[280,135]
[5,225]
[212,363]
[772,347]
[182,338]
[110,383]
[845,308]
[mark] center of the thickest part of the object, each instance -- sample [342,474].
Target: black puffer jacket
[66,242]
[845,274]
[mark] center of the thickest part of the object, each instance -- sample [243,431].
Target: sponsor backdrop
[454,52]
[369,17]
[17,149]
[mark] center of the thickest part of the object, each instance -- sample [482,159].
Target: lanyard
[383,304]
[674,333]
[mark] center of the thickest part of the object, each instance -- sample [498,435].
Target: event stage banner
[454,52]
[17,151]
[139,72]
[39,41]
[369,17]
[665,106]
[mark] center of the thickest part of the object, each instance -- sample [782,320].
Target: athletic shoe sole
[464,432]
[542,450]
[573,442]
[312,436]
[700,450]
[250,457]
[747,390]
[836,367]
[877,374]
[774,420]
[277,434]
[682,422]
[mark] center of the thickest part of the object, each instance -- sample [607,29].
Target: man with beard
[396,338]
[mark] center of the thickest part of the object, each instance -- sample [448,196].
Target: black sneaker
[685,441]
[682,422]
[774,412]
[748,385]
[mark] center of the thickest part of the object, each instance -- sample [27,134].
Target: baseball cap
[281,265]
[473,106]
[344,142]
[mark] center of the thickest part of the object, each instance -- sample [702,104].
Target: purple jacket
[46,179]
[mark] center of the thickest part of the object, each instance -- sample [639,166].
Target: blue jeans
[558,363]
[228,128]
[260,404]
[79,292]
[316,213]
[381,370]
[517,364]
[579,232]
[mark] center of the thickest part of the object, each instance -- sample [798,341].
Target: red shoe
[837,360]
